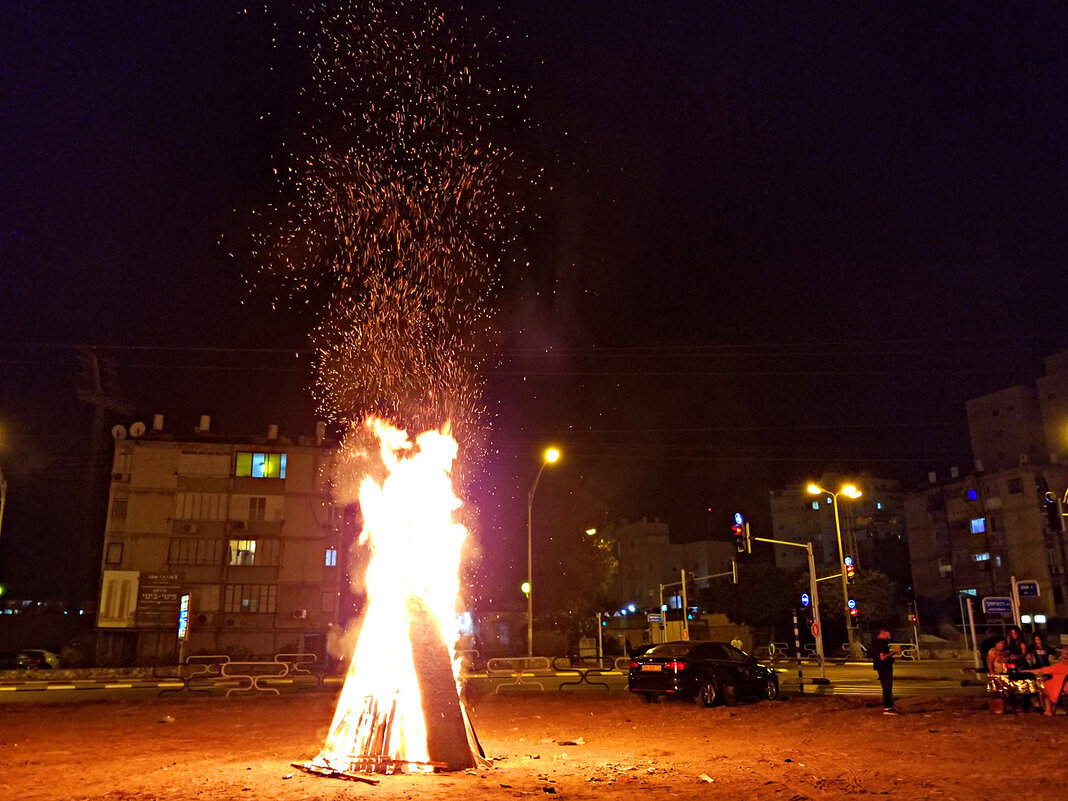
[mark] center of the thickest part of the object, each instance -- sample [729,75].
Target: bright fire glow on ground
[415,544]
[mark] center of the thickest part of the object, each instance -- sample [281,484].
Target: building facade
[872,526]
[246,530]
[969,536]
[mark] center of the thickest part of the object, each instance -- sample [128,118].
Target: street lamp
[852,493]
[551,455]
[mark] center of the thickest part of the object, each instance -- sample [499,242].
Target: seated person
[1055,676]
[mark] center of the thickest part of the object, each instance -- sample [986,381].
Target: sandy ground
[793,750]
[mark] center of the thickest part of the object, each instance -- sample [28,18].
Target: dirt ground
[788,750]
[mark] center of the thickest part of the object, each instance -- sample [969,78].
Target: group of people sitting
[1019,671]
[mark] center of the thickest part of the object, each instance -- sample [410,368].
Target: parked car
[40,658]
[13,661]
[707,672]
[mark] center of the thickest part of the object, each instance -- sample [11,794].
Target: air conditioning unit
[239,525]
[231,622]
[300,614]
[188,528]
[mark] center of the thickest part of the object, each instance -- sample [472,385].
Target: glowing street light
[852,493]
[551,456]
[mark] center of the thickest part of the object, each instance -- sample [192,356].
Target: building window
[250,598]
[326,603]
[195,551]
[331,557]
[972,591]
[260,465]
[973,495]
[981,557]
[242,552]
[978,525]
[118,508]
[114,553]
[815,504]
[257,509]
[257,553]
[1015,486]
[878,504]
[944,568]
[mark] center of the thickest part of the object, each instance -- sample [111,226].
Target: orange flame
[415,544]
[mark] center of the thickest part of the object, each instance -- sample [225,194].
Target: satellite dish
[118,432]
[137,429]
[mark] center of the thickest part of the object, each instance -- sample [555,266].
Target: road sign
[1027,589]
[805,600]
[815,628]
[183,617]
[655,618]
[997,605]
[851,604]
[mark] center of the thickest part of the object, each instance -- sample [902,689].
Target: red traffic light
[854,612]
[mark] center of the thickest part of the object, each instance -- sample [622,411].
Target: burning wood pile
[399,709]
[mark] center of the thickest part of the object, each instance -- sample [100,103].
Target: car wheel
[650,698]
[707,694]
[771,689]
[730,695]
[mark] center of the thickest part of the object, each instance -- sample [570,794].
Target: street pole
[1016,603]
[600,649]
[551,455]
[797,650]
[685,610]
[845,582]
[975,642]
[815,593]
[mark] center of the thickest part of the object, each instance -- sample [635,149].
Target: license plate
[651,668]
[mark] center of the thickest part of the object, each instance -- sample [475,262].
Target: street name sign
[997,605]
[655,618]
[1027,589]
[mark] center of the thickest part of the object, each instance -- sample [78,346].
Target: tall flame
[415,545]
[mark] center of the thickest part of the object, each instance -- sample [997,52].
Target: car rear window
[669,649]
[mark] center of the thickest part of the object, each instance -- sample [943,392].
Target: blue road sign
[1027,589]
[997,605]
[805,600]
[848,560]
[738,519]
[655,618]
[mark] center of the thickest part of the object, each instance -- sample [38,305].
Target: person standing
[882,661]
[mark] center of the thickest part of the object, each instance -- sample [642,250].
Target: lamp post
[852,493]
[551,455]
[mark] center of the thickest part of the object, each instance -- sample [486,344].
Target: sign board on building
[1027,589]
[183,617]
[158,599]
[997,605]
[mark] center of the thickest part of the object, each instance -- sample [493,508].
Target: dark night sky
[782,238]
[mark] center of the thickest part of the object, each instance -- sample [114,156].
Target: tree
[873,591]
[762,598]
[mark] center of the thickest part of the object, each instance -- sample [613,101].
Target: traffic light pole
[817,626]
[733,573]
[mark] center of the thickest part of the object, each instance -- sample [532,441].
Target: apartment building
[245,529]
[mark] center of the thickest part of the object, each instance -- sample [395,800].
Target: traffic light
[853,610]
[850,570]
[1051,508]
[912,618]
[740,530]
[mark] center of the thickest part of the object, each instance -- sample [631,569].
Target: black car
[707,672]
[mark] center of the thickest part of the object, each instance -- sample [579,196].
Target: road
[854,679]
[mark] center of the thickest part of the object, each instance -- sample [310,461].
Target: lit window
[981,557]
[260,465]
[978,525]
[815,504]
[331,557]
[973,495]
[997,561]
[242,552]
